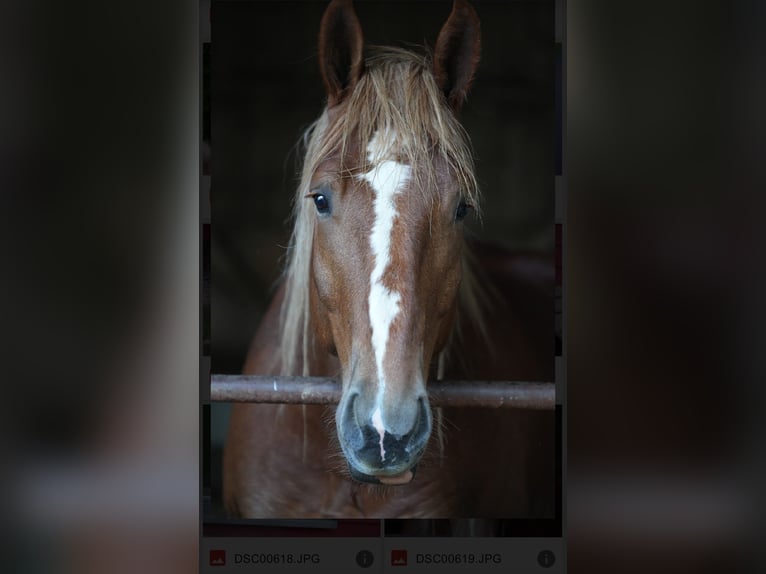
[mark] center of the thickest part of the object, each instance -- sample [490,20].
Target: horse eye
[322,203]
[462,210]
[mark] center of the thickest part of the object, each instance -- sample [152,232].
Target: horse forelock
[397,94]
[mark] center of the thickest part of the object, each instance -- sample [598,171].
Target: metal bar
[326,391]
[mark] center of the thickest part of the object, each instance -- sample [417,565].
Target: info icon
[398,558]
[546,558]
[365,558]
[218,557]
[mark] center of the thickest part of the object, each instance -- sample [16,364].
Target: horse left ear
[340,50]
[457,52]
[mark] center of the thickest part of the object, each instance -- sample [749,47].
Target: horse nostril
[349,429]
[423,426]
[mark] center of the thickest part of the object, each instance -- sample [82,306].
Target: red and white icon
[398,558]
[218,557]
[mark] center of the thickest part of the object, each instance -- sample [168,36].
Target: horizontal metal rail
[326,391]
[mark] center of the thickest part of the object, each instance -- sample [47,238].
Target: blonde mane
[396,92]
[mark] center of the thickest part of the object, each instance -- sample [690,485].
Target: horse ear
[340,50]
[457,52]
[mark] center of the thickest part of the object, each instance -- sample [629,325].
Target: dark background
[266,88]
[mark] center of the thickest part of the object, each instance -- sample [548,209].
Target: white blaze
[387,178]
[377,422]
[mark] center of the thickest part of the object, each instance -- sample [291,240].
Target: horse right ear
[340,50]
[457,51]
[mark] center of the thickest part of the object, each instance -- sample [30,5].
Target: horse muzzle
[374,454]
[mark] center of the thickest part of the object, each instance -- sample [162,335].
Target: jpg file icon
[398,558]
[218,557]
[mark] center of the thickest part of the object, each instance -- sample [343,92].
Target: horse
[384,290]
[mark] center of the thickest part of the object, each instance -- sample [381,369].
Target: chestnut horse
[382,290]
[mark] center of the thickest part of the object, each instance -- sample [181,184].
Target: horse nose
[385,442]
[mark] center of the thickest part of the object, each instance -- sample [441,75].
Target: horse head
[388,179]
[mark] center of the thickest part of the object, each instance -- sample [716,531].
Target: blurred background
[665,283]
[266,89]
